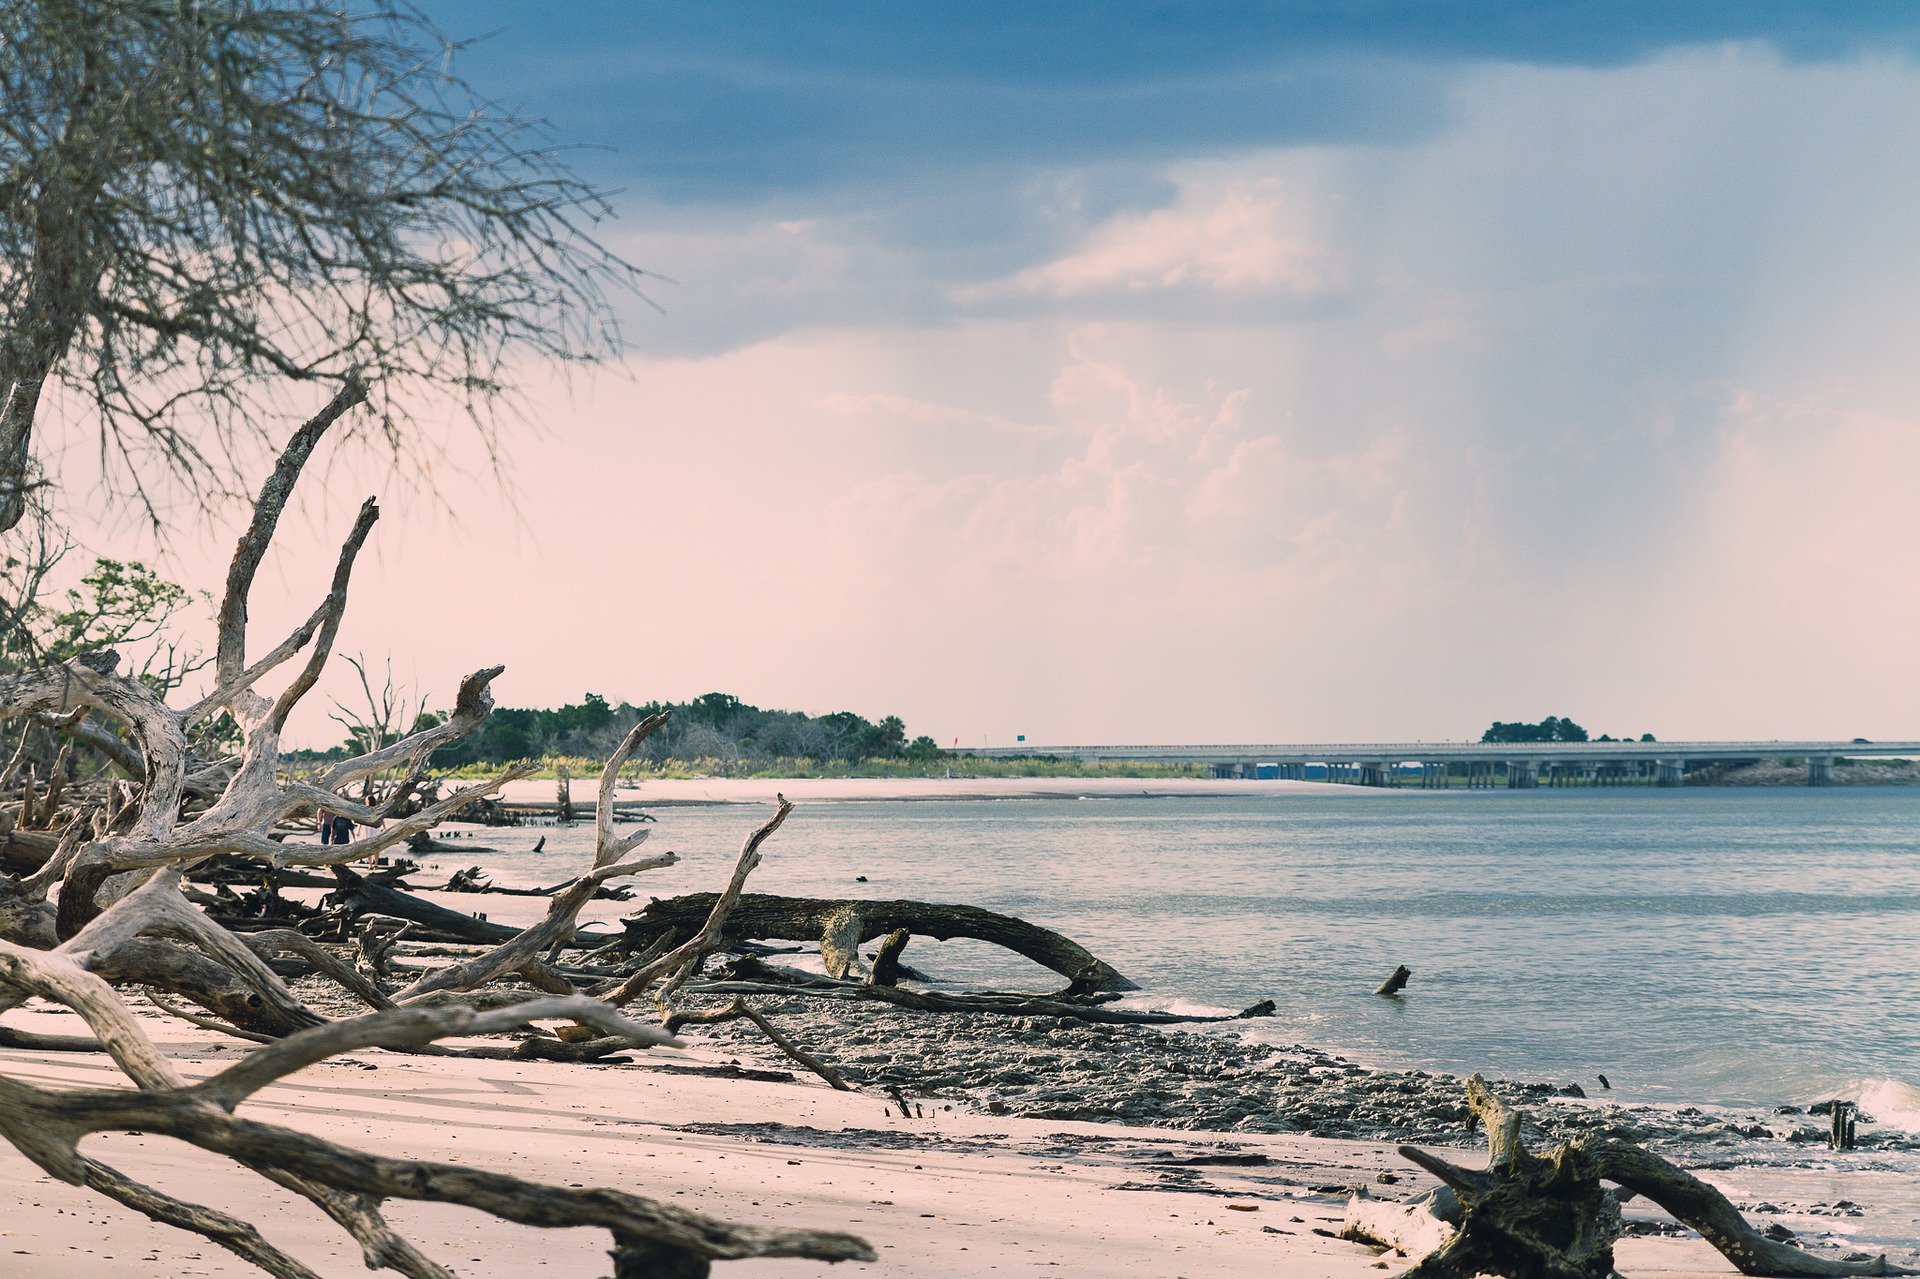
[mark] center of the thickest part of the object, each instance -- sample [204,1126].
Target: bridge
[1519,765]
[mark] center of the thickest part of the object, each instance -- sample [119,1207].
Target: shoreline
[537,794]
[664,792]
[951,1192]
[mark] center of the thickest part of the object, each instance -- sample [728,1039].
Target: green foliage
[119,604]
[1550,729]
[903,766]
[712,732]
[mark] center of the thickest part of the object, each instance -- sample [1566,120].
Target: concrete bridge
[1519,765]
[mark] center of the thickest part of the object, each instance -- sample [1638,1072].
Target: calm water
[1750,946]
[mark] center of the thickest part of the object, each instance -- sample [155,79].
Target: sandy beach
[952,1194]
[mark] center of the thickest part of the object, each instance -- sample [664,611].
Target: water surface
[1712,945]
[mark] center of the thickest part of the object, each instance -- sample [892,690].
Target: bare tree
[194,194]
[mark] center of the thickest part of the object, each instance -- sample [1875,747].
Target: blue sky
[1215,372]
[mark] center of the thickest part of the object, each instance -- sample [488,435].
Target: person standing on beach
[326,826]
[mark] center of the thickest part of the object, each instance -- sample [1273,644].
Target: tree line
[711,726]
[1554,728]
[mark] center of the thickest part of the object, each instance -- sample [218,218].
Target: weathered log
[766,917]
[180,970]
[1415,1228]
[749,976]
[1395,982]
[1549,1216]
[361,896]
[24,851]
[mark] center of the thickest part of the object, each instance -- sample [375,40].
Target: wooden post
[562,795]
[1840,1136]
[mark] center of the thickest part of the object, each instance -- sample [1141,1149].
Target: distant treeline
[714,726]
[1553,728]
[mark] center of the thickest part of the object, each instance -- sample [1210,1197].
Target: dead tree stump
[886,961]
[1548,1216]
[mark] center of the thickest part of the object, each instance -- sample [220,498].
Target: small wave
[1891,1103]
[1190,1008]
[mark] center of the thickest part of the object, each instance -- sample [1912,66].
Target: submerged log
[842,925]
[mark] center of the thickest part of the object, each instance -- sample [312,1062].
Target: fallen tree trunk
[361,896]
[24,851]
[751,977]
[843,924]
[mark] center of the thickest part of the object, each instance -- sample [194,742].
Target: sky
[1201,373]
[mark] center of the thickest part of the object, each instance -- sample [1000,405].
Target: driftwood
[122,919]
[521,953]
[684,960]
[1550,1216]
[47,1127]
[1421,1225]
[749,976]
[842,926]
[740,1008]
[357,895]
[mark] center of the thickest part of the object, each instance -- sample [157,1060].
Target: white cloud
[1243,236]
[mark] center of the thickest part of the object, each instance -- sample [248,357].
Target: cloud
[1140,494]
[1240,239]
[705,103]
[1596,399]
